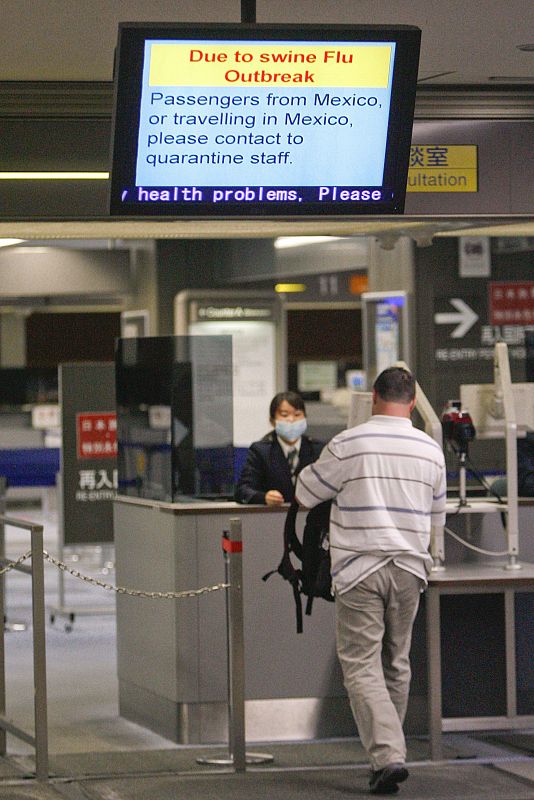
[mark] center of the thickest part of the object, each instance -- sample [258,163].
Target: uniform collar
[287,447]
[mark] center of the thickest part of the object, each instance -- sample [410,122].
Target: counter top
[202,506]
[475,505]
[478,574]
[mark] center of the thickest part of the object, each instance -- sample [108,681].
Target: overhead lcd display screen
[262,120]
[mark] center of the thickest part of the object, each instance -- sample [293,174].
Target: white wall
[53,271]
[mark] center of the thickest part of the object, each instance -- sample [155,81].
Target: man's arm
[321,480]
[316,450]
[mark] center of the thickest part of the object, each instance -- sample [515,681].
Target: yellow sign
[245,64]
[443,168]
[358,284]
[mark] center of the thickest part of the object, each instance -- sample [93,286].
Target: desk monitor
[487,409]
[246,120]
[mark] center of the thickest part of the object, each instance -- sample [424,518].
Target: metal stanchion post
[40,740]
[233,550]
[233,567]
[39,655]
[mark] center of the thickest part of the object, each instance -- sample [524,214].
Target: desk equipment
[458,430]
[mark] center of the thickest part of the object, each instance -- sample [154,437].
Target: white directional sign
[464,318]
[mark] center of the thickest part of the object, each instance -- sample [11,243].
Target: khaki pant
[374,623]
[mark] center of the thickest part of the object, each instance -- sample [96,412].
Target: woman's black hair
[293,398]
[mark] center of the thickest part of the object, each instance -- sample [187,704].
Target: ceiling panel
[73,40]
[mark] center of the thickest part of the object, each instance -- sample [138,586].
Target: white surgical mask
[290,431]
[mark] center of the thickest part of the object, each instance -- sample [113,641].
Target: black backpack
[312,579]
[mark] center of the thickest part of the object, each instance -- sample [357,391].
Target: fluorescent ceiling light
[9,242]
[283,288]
[54,176]
[282,242]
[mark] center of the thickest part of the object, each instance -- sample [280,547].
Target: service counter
[472,582]
[477,617]
[172,654]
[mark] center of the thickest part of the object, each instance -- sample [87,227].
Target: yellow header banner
[245,64]
[443,168]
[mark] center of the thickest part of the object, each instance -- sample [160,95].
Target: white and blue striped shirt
[388,486]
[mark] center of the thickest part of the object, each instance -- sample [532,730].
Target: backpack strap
[292,544]
[298,606]
[309,604]
[285,567]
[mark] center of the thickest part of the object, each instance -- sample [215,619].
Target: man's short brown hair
[395,385]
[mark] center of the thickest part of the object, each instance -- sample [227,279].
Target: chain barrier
[117,589]
[14,564]
[133,592]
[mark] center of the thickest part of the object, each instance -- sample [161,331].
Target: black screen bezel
[127,98]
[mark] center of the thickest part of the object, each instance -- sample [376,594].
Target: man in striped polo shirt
[387,482]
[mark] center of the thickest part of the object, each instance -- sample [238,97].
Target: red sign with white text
[511,302]
[96,435]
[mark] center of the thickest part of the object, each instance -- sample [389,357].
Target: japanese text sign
[511,303]
[96,435]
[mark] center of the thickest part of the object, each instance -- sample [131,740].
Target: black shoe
[386,780]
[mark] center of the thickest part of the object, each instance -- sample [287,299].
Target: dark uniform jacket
[266,468]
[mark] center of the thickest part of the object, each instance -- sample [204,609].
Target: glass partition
[174,417]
